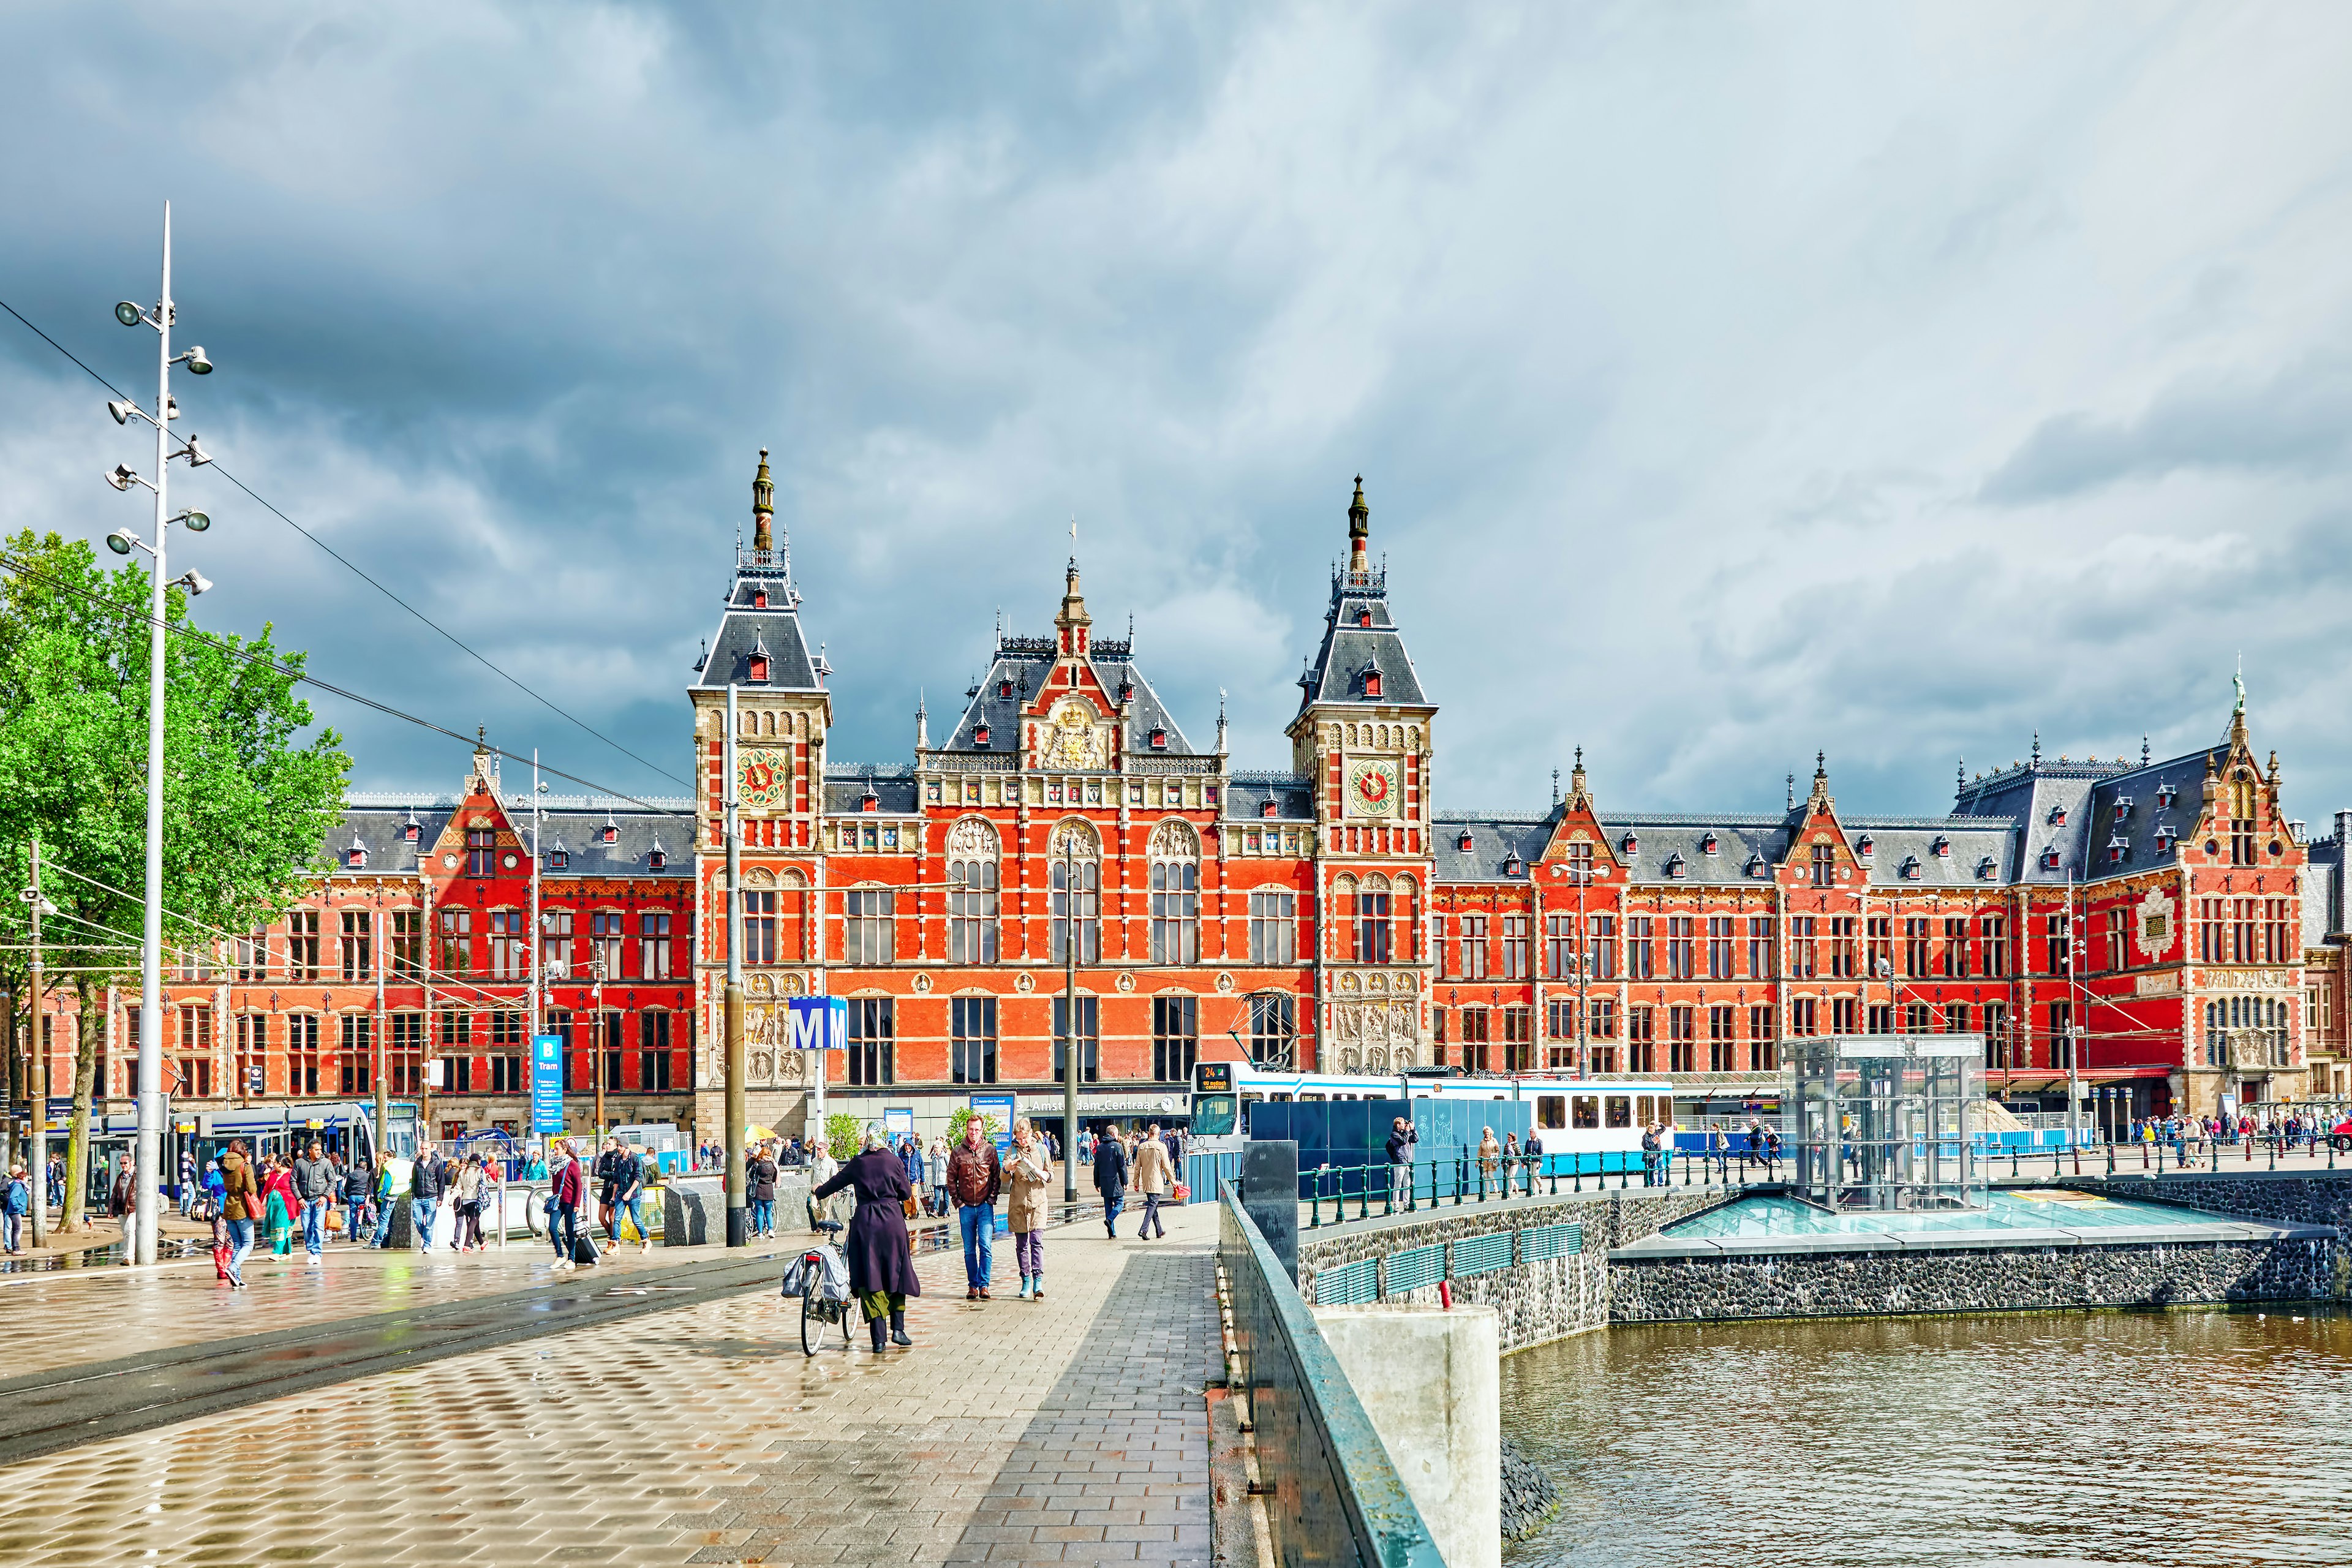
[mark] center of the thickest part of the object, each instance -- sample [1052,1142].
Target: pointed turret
[763,505]
[1359,532]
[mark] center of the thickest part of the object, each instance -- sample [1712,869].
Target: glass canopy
[1890,1121]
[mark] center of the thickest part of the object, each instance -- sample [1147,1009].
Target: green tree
[841,1132]
[249,804]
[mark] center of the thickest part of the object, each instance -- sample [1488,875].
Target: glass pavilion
[1890,1123]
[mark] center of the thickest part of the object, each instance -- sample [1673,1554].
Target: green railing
[1336,1497]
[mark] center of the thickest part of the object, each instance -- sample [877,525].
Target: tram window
[1620,1111]
[1279,1098]
[1586,1109]
[1646,1109]
[1552,1111]
[1310,1100]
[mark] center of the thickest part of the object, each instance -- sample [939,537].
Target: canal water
[2190,1438]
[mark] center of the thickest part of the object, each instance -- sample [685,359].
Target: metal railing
[1336,1495]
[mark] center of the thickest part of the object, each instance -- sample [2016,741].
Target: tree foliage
[249,803]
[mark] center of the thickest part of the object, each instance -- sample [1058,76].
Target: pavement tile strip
[1073,1430]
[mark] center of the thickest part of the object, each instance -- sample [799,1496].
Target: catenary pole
[36,1088]
[1070,1015]
[150,958]
[738,1214]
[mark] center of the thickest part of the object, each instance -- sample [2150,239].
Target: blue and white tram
[1592,1124]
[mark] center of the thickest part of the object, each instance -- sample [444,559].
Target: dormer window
[1513,866]
[1865,845]
[610,834]
[2123,807]
[1371,683]
[2057,816]
[1126,690]
[1756,866]
[559,858]
[1910,868]
[759,598]
[758,672]
[869,801]
[1675,866]
[1986,869]
[655,859]
[980,734]
[1707,846]
[2117,848]
[1943,847]
[2166,837]
[355,857]
[1364,618]
[1462,844]
[410,830]
[1266,809]
[2167,797]
[1159,739]
[2050,859]
[1630,846]
[1004,689]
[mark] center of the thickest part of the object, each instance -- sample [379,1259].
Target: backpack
[20,1200]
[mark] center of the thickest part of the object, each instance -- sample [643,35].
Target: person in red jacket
[570,1188]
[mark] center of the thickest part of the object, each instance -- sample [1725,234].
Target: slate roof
[2089,794]
[1246,793]
[2327,892]
[1671,847]
[1024,663]
[380,827]
[744,629]
[1335,673]
[892,786]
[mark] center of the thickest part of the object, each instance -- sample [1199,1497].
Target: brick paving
[1073,1430]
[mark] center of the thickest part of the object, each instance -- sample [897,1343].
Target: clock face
[763,778]
[1372,789]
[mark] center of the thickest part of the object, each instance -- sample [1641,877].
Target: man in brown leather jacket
[974,1178]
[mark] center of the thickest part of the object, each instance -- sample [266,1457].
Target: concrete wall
[1431,1384]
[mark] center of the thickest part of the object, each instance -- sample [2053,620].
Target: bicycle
[821,1317]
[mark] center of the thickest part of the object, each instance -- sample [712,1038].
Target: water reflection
[2183,1437]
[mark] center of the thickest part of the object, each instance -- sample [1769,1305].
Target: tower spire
[763,505]
[1359,532]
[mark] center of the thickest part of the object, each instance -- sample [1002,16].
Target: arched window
[746,722]
[1076,892]
[1175,894]
[972,892]
[1375,931]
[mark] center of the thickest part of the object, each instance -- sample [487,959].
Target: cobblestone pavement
[1071,1430]
[69,1316]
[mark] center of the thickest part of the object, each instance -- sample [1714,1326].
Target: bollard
[1686,1172]
[1461,1178]
[2274,1143]
[2111,1157]
[1576,1174]
[2012,1162]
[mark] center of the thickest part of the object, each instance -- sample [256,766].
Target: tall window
[509,945]
[1722,1046]
[1176,912]
[1477,1029]
[608,1027]
[1760,948]
[971,1053]
[457,1053]
[871,1040]
[1372,942]
[1804,1017]
[456,943]
[1679,942]
[356,948]
[1992,932]
[760,926]
[2060,942]
[480,844]
[1519,1043]
[653,946]
[2117,955]
[2062,1034]
[2209,930]
[1274,927]
[1601,1019]
[1560,1027]
[1824,865]
[1843,1010]
[1682,1027]
[1090,1035]
[355,1065]
[1804,951]
[252,1054]
[408,944]
[1641,954]
[302,945]
[1880,1017]
[1641,1040]
[1175,1037]
[1882,945]
[1083,904]
[403,1065]
[1473,947]
[194,1064]
[1603,934]
[971,912]
[302,1052]
[1995,1031]
[1915,946]
[252,956]
[1843,955]
[1956,1018]
[2277,946]
[867,936]
[1274,1026]
[605,943]
[654,1051]
[1956,947]
[1718,947]
[2242,811]
[1917,1018]
[1763,1038]
[1518,953]
[1559,947]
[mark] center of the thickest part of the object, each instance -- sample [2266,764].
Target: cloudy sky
[1728,382]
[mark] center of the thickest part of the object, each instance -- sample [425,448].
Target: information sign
[546,1083]
[820,1023]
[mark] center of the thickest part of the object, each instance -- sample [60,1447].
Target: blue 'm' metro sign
[819,1024]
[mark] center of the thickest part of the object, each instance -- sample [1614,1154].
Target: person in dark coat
[880,1255]
[1110,1179]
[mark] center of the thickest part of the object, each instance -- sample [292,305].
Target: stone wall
[1974,1280]
[1534,1302]
[2285,1198]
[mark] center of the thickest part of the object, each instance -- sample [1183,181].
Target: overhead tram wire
[215,465]
[12,563]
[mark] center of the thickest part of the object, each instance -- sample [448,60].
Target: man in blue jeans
[974,1179]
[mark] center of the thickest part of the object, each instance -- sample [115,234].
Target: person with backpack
[1111,1180]
[428,1179]
[759,1182]
[240,1209]
[15,1202]
[314,1181]
[359,1182]
[570,1189]
[624,1180]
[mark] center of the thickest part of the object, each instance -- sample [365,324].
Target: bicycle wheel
[848,1311]
[812,1323]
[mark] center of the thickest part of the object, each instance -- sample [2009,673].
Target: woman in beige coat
[1154,1176]
[1026,1178]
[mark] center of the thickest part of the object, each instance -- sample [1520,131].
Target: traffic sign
[254,1079]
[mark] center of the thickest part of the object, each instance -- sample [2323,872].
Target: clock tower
[781,711]
[1363,736]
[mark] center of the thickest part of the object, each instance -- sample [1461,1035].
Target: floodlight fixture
[129,314]
[122,478]
[194,582]
[122,409]
[197,521]
[120,540]
[197,363]
[198,456]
